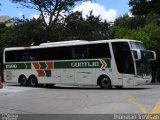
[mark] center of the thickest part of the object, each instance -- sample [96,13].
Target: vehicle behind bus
[105,63]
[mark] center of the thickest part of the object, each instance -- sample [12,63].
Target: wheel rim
[33,81]
[105,83]
[23,81]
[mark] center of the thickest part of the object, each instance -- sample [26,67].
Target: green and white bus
[105,63]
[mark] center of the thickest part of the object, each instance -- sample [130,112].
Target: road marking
[155,109]
[141,107]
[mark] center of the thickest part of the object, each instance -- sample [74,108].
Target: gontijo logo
[84,64]
[89,64]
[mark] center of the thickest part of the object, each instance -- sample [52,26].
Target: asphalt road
[79,100]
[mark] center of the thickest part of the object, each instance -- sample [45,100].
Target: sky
[107,9]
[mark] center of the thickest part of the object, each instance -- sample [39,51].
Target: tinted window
[80,52]
[42,54]
[123,57]
[10,56]
[20,55]
[99,51]
[56,53]
[92,51]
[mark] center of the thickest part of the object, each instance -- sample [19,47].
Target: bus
[106,63]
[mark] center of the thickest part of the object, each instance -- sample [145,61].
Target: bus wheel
[105,82]
[118,87]
[23,80]
[33,82]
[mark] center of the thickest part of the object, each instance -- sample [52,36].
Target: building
[5,19]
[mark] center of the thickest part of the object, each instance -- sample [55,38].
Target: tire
[118,87]
[33,82]
[23,81]
[105,83]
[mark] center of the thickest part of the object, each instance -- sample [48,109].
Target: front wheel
[33,82]
[105,83]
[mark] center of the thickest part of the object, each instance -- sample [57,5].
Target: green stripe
[48,73]
[43,65]
[62,64]
[17,66]
[81,64]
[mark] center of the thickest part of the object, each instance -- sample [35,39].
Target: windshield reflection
[143,66]
[138,45]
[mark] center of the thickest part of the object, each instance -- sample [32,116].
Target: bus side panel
[67,76]
[85,76]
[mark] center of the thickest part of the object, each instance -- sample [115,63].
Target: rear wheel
[105,82]
[33,82]
[23,80]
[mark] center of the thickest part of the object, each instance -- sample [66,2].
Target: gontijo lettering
[84,64]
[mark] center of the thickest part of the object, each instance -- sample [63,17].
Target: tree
[130,22]
[144,7]
[49,8]
[53,10]
[91,28]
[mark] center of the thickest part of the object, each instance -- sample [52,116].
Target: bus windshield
[138,45]
[143,65]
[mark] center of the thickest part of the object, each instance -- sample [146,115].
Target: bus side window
[10,56]
[123,57]
[99,51]
[80,52]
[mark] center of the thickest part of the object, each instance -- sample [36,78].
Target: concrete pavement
[78,100]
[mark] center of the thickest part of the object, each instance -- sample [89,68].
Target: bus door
[124,62]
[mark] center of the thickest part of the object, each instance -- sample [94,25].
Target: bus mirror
[136,53]
[151,55]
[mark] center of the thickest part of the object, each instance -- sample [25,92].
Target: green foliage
[74,26]
[91,28]
[144,7]
[138,28]
[130,22]
[139,7]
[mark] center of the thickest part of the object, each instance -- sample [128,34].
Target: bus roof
[69,43]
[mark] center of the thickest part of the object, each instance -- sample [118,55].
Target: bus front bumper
[142,81]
